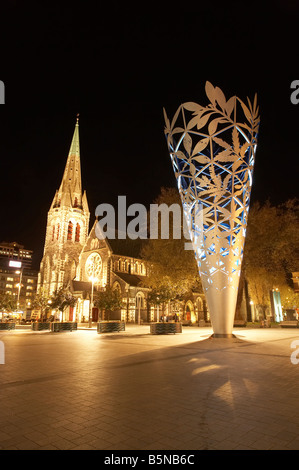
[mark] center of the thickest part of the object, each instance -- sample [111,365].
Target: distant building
[73,256]
[18,280]
[13,251]
[295,278]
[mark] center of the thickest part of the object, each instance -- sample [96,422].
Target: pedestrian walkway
[136,391]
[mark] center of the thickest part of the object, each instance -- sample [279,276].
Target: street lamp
[19,287]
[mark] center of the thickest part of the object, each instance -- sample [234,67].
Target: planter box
[63,326]
[110,326]
[165,328]
[7,326]
[40,326]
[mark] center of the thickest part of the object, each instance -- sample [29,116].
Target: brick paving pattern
[136,391]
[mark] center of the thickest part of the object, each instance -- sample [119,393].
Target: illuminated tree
[171,268]
[7,303]
[41,302]
[62,299]
[271,251]
[108,300]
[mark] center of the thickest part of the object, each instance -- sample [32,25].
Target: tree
[289,298]
[7,303]
[160,296]
[62,299]
[271,250]
[171,267]
[108,300]
[41,302]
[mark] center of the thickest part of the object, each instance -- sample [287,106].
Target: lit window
[8,286]
[77,234]
[70,231]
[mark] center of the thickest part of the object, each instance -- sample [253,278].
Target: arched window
[53,232]
[116,286]
[76,202]
[139,300]
[58,228]
[70,231]
[77,234]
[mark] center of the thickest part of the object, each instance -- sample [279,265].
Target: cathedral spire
[70,191]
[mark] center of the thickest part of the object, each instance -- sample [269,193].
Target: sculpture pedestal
[228,335]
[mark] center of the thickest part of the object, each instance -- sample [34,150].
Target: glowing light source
[15,264]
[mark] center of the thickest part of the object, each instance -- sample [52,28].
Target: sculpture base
[228,335]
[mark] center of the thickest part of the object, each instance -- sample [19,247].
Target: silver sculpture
[212,153]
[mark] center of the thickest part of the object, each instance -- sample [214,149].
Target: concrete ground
[136,391]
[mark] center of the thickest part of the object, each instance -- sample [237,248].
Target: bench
[240,323]
[289,324]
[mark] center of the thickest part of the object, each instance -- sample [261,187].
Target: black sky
[118,68]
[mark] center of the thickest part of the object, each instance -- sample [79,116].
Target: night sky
[118,68]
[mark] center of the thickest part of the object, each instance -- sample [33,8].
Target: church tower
[67,225]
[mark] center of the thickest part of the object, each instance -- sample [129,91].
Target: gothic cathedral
[67,225]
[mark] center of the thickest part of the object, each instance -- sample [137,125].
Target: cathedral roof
[126,247]
[131,279]
[80,286]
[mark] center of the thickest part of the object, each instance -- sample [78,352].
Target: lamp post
[19,287]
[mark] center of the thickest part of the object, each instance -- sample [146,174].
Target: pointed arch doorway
[189,315]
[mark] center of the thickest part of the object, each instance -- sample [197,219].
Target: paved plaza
[137,391]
